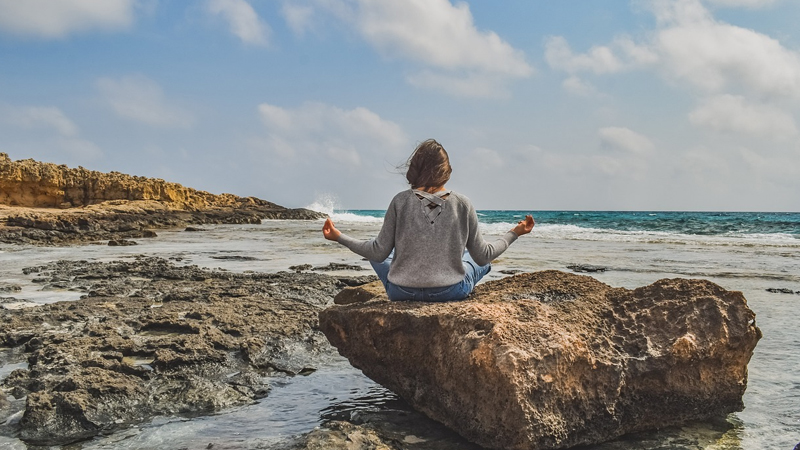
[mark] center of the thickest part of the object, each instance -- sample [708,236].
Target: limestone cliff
[37,184]
[49,204]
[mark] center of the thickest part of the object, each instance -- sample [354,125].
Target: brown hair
[428,166]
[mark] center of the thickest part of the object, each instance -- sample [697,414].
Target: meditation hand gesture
[329,230]
[524,226]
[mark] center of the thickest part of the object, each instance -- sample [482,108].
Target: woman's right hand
[329,230]
[524,226]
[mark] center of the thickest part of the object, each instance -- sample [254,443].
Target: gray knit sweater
[429,242]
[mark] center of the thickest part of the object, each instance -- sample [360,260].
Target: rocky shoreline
[49,204]
[153,338]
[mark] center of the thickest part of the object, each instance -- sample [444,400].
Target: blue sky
[643,105]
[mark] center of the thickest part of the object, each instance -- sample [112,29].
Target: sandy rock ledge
[552,360]
[48,204]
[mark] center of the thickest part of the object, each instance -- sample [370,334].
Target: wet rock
[510,271]
[341,436]
[194,229]
[235,257]
[300,267]
[152,338]
[121,243]
[781,291]
[7,287]
[568,361]
[338,266]
[586,268]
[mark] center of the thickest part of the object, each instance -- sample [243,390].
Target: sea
[757,253]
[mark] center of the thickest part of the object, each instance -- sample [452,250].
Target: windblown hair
[428,166]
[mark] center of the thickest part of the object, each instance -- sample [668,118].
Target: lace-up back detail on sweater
[429,241]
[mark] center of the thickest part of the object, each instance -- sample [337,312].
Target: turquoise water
[679,222]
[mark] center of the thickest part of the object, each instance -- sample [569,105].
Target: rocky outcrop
[152,338]
[80,205]
[553,360]
[37,184]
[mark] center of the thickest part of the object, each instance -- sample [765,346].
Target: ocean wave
[328,204]
[349,217]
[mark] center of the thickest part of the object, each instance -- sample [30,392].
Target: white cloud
[316,130]
[690,45]
[298,17]
[141,99]
[716,56]
[242,19]
[576,86]
[459,59]
[438,34]
[733,113]
[59,18]
[48,117]
[626,139]
[599,59]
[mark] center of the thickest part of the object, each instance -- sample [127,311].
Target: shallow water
[296,405]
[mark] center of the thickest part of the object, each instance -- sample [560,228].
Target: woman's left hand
[524,226]
[329,230]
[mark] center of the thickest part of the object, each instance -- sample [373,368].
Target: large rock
[552,360]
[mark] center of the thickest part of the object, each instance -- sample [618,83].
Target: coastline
[134,316]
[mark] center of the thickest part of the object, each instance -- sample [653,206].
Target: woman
[419,253]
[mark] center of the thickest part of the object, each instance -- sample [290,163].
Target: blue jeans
[459,291]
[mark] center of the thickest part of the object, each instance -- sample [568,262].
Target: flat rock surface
[152,338]
[553,360]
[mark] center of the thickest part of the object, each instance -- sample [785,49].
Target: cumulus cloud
[626,139]
[141,99]
[436,34]
[242,19]
[716,56]
[316,130]
[732,113]
[58,18]
[690,45]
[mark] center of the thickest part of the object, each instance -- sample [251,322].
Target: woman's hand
[524,226]
[329,230]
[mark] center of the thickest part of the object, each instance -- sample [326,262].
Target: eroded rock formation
[152,338]
[552,360]
[79,205]
[37,184]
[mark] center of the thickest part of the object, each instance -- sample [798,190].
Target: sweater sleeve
[376,249]
[481,251]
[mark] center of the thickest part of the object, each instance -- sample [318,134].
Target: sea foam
[329,204]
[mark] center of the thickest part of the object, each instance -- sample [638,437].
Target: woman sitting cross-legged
[429,248]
